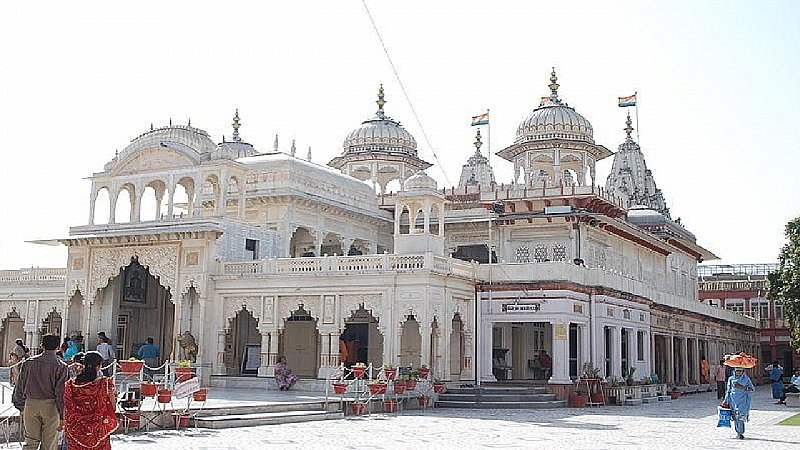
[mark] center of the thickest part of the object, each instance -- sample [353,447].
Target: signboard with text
[186,388]
[521,307]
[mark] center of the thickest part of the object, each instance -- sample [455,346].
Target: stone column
[695,355]
[112,213]
[560,354]
[318,237]
[584,352]
[265,369]
[670,351]
[684,354]
[648,355]
[616,351]
[219,365]
[329,353]
[92,201]
[485,352]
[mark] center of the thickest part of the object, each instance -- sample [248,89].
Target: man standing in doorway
[107,352]
[39,395]
[150,353]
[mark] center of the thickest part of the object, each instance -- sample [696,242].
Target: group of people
[77,399]
[775,372]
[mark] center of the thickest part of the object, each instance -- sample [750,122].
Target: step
[500,390]
[502,405]
[483,397]
[264,418]
[269,408]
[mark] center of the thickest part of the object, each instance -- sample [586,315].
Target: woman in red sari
[90,404]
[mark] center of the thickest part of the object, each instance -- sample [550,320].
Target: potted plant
[399,386]
[390,371]
[674,393]
[130,419]
[181,417]
[358,369]
[132,366]
[148,388]
[628,375]
[377,387]
[412,379]
[183,371]
[439,387]
[424,371]
[339,387]
[358,408]
[390,405]
[423,400]
[164,396]
[200,395]
[589,372]
[578,397]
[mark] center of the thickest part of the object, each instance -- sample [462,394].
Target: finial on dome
[478,143]
[308,156]
[553,85]
[190,122]
[628,128]
[151,126]
[381,101]
[236,126]
[275,144]
[293,150]
[170,121]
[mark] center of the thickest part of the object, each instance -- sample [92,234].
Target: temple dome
[420,181]
[380,133]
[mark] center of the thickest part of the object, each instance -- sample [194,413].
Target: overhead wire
[405,93]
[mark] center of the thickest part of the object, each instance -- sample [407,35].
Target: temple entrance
[243,344]
[13,328]
[299,343]
[526,344]
[361,340]
[410,343]
[52,323]
[133,307]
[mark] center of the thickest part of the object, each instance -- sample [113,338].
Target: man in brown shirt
[39,395]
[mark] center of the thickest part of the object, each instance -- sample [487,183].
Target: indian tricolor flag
[627,101]
[482,119]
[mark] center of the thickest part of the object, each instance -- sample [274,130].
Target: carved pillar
[616,351]
[159,199]
[265,369]
[685,360]
[560,356]
[112,213]
[219,364]
[92,201]
[170,199]
[670,357]
[318,237]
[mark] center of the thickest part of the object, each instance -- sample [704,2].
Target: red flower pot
[411,384]
[148,388]
[577,401]
[339,388]
[598,398]
[131,366]
[164,396]
[391,374]
[674,394]
[423,400]
[131,420]
[358,371]
[439,388]
[182,374]
[399,387]
[377,388]
[424,372]
[358,408]
[181,420]
[390,406]
[200,395]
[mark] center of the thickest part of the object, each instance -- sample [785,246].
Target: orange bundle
[740,361]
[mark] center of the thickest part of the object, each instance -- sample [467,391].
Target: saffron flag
[482,119]
[627,101]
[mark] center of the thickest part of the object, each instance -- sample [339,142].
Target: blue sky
[717,83]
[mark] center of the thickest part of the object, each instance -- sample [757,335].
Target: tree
[784,283]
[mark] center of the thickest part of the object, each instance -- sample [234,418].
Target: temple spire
[478,143]
[293,150]
[381,101]
[308,156]
[553,86]
[628,127]
[236,126]
[275,144]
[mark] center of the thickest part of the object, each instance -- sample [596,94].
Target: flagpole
[636,96]
[489,137]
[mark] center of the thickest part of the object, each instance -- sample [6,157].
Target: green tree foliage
[784,284]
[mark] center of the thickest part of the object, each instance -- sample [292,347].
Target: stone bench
[792,400]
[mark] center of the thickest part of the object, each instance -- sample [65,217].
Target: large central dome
[554,119]
[380,133]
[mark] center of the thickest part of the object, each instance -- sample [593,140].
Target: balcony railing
[350,265]
[33,275]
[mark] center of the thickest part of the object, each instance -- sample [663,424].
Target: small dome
[420,181]
[554,119]
[380,133]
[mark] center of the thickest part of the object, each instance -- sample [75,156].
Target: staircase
[499,397]
[247,416]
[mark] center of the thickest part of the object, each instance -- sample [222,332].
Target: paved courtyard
[689,422]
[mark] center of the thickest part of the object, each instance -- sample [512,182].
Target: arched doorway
[136,306]
[331,245]
[302,243]
[456,347]
[51,324]
[410,343]
[13,328]
[299,343]
[362,338]
[243,344]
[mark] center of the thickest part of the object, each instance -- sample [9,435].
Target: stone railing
[350,264]
[621,393]
[566,271]
[33,275]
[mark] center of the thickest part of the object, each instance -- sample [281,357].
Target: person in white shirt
[107,352]
[794,386]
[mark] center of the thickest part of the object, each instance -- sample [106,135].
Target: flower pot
[164,396]
[423,400]
[339,388]
[131,367]
[391,374]
[130,420]
[377,388]
[390,406]
[577,401]
[181,420]
[148,389]
[182,374]
[439,388]
[358,371]
[674,394]
[399,387]
[598,398]
[358,408]
[424,372]
[200,395]
[411,384]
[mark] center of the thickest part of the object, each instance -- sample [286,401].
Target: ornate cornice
[161,261]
